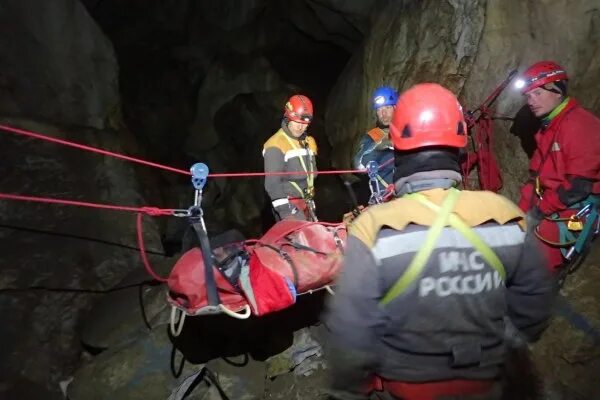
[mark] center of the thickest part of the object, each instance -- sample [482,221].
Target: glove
[533,218]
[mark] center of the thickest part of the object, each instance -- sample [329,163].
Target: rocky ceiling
[180,81]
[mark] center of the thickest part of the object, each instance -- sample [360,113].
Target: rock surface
[56,64]
[470,47]
[58,67]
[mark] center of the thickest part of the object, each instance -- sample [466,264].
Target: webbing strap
[587,229]
[310,178]
[486,252]
[444,217]
[420,259]
[212,293]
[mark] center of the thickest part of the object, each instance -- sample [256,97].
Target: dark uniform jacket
[375,145]
[449,323]
[285,153]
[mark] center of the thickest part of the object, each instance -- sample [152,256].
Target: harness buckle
[309,193]
[575,223]
[539,190]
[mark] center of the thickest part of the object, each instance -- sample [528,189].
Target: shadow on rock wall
[524,127]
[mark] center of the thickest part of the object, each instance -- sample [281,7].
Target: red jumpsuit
[567,164]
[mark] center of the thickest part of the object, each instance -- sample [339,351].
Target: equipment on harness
[577,231]
[479,123]
[377,192]
[308,193]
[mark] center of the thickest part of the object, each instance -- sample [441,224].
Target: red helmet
[541,73]
[428,115]
[299,108]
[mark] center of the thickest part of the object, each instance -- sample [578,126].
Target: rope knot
[155,211]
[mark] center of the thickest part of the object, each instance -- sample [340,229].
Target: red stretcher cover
[292,258]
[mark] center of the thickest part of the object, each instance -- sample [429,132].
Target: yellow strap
[538,187]
[420,259]
[310,178]
[444,216]
[457,223]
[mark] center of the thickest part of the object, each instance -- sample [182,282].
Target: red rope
[154,211]
[250,174]
[142,247]
[165,167]
[91,149]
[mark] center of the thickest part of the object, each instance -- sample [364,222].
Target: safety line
[154,211]
[80,146]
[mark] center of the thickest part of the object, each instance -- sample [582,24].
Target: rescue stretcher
[254,277]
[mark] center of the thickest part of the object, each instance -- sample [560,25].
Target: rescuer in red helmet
[429,278]
[290,149]
[565,167]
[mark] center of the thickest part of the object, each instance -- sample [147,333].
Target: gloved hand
[533,218]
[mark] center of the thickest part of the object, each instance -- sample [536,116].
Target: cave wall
[470,47]
[57,66]
[59,78]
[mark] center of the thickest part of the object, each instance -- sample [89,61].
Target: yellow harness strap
[444,217]
[310,177]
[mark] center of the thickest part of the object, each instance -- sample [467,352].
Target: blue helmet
[384,96]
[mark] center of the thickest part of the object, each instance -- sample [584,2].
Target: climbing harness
[379,193]
[307,194]
[376,190]
[445,217]
[378,136]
